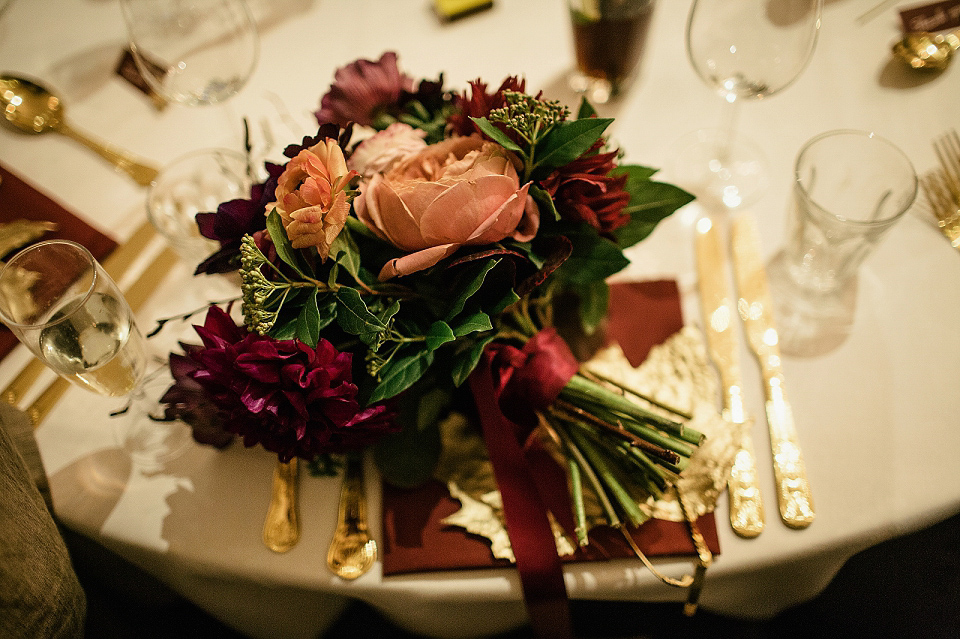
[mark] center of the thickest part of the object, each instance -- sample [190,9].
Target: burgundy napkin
[20,201]
[642,314]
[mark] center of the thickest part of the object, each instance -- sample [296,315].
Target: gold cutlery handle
[141,173]
[789,471]
[746,503]
[281,529]
[352,551]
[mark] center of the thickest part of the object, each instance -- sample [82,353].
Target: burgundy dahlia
[584,191]
[479,103]
[292,399]
[362,90]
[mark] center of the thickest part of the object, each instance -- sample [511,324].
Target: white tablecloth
[876,416]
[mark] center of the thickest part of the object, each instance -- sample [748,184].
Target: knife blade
[716,302]
[756,309]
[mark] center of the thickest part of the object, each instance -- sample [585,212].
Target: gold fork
[942,186]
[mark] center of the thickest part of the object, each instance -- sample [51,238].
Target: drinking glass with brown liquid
[609,38]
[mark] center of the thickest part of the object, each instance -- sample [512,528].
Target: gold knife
[756,310]
[716,301]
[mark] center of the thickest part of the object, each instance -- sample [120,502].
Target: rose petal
[456,214]
[413,262]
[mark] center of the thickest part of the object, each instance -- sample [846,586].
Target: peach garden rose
[461,191]
[312,196]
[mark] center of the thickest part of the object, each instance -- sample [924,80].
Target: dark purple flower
[362,90]
[292,399]
[233,220]
[187,401]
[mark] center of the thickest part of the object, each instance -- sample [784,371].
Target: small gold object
[942,187]
[352,551]
[20,232]
[281,528]
[29,107]
[716,300]
[756,311]
[927,50]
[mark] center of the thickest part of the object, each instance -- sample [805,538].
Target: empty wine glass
[746,50]
[193,52]
[61,304]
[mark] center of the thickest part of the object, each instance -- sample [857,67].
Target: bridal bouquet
[431,250]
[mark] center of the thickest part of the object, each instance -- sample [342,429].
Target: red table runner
[19,200]
[642,314]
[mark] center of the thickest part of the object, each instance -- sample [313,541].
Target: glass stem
[728,125]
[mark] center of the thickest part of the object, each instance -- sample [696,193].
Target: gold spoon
[927,50]
[352,552]
[281,528]
[31,108]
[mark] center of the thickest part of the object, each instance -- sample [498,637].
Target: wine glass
[192,52]
[63,306]
[746,50]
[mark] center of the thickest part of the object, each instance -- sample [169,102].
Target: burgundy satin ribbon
[518,382]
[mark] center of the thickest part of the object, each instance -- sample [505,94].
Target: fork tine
[943,205]
[947,148]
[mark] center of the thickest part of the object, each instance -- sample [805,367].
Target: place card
[934,17]
[128,70]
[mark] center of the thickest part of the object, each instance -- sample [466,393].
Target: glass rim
[872,135]
[38,245]
[215,151]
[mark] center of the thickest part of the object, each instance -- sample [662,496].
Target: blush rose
[461,191]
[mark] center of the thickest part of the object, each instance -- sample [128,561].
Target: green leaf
[635,174]
[356,226]
[472,287]
[388,314]
[327,308]
[544,201]
[569,140]
[278,235]
[308,322]
[594,299]
[466,361]
[401,372]
[586,110]
[439,334]
[496,134]
[284,330]
[509,298]
[353,315]
[594,258]
[648,205]
[346,253]
[473,323]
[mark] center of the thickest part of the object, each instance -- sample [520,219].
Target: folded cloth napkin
[20,201]
[642,315]
[40,595]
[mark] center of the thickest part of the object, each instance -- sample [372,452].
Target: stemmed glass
[193,52]
[746,50]
[62,305]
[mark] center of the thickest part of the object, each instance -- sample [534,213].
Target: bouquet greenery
[378,276]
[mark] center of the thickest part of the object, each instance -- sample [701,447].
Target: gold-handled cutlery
[756,311]
[281,528]
[942,187]
[31,108]
[352,551]
[716,302]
